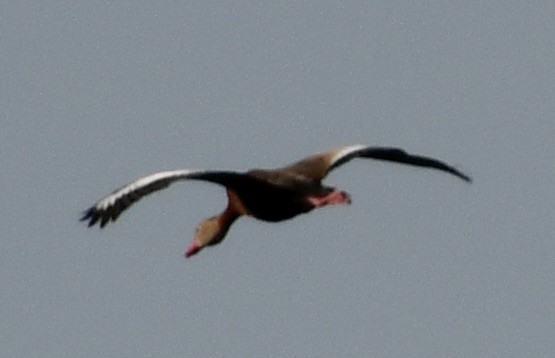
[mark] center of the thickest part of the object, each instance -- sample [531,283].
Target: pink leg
[335,197]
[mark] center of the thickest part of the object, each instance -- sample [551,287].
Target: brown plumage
[269,195]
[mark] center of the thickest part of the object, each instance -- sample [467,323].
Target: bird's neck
[227,217]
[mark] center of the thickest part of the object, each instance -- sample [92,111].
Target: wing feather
[390,154]
[111,206]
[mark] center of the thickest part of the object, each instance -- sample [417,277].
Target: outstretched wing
[316,167]
[111,206]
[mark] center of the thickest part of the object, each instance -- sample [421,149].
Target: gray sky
[95,94]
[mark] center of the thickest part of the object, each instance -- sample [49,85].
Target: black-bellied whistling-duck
[269,195]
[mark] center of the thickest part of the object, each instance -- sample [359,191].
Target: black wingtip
[461,175]
[464,177]
[90,215]
[86,214]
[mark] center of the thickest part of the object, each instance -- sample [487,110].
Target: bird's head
[209,232]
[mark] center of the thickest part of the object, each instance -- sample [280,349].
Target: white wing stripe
[345,151]
[110,200]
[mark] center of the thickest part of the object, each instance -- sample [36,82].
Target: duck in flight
[265,194]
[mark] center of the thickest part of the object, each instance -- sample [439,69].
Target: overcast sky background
[95,94]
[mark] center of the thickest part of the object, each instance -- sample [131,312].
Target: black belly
[274,205]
